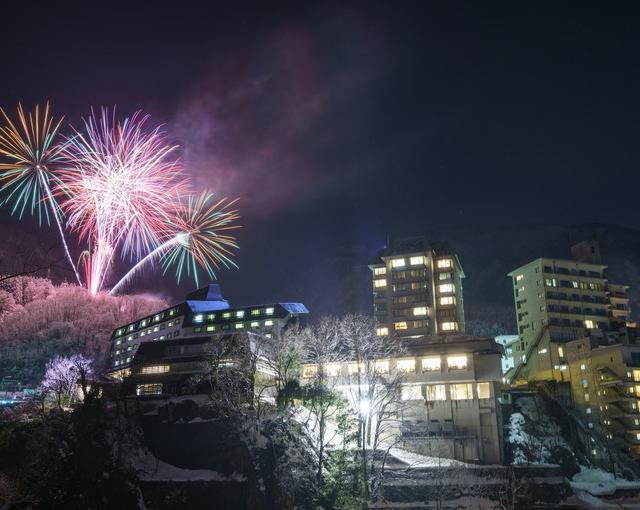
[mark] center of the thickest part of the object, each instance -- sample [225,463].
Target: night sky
[338,125]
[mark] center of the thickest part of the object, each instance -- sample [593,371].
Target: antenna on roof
[388,241]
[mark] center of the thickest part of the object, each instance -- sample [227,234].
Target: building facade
[417,289]
[161,349]
[558,301]
[450,390]
[603,372]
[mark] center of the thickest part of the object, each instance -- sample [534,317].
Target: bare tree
[375,392]
[322,346]
[62,376]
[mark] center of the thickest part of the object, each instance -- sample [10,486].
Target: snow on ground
[415,460]
[152,469]
[588,501]
[598,482]
[542,433]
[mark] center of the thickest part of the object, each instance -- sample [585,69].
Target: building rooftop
[412,245]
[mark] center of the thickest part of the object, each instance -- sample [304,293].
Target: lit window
[431,364]
[585,384]
[379,271]
[309,370]
[268,322]
[444,263]
[444,276]
[447,300]
[446,288]
[383,331]
[461,391]
[172,312]
[484,390]
[143,323]
[255,311]
[255,324]
[583,367]
[411,392]
[436,392]
[457,362]
[398,263]
[588,410]
[169,324]
[543,351]
[156,318]
[149,389]
[420,310]
[239,325]
[155,369]
[636,375]
[416,261]
[240,314]
[269,311]
[226,315]
[519,277]
[400,325]
[380,283]
[560,351]
[211,328]
[381,366]
[589,324]
[333,369]
[119,332]
[354,368]
[586,397]
[198,329]
[449,326]
[407,366]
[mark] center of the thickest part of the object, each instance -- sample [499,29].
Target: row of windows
[409,274]
[413,298]
[565,270]
[149,320]
[407,366]
[402,325]
[149,389]
[553,282]
[149,331]
[401,287]
[238,314]
[413,261]
[237,325]
[416,311]
[436,392]
[156,369]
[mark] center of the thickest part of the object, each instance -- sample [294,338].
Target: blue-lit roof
[295,307]
[207,306]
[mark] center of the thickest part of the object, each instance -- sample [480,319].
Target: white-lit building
[450,395]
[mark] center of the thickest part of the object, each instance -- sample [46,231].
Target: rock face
[205,461]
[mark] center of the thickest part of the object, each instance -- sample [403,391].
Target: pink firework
[120,189]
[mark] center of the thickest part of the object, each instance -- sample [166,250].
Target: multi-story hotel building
[417,289]
[450,392]
[558,301]
[172,342]
[603,372]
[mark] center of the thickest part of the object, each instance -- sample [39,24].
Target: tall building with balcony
[417,289]
[558,301]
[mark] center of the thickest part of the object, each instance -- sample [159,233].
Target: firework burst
[119,189]
[199,238]
[31,157]
[203,240]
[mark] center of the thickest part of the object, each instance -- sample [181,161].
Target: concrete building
[450,392]
[603,372]
[417,289]
[159,351]
[558,301]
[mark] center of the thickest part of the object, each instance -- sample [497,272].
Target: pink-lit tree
[63,375]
